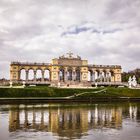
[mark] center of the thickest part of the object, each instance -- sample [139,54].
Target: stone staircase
[75,84]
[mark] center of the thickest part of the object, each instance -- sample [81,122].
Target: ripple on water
[20,135]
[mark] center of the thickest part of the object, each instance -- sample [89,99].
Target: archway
[31,74]
[112,78]
[78,74]
[108,76]
[22,74]
[104,76]
[47,75]
[90,75]
[101,76]
[61,74]
[97,73]
[38,74]
[69,74]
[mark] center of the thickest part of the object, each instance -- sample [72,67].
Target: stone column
[27,73]
[59,78]
[19,74]
[73,75]
[101,76]
[98,74]
[93,76]
[107,76]
[50,75]
[34,75]
[80,76]
[42,79]
[112,77]
[104,76]
[65,75]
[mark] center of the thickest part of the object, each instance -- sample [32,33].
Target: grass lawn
[42,91]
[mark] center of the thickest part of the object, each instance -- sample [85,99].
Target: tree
[126,75]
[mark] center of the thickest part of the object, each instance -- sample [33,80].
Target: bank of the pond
[68,101]
[49,94]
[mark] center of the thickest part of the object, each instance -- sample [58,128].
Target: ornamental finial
[70,54]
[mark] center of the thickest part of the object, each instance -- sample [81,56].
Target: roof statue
[78,57]
[70,55]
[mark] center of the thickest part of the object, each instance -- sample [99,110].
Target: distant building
[67,69]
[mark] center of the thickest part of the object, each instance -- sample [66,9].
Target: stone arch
[23,67]
[47,74]
[30,74]
[104,75]
[90,75]
[61,74]
[97,73]
[101,75]
[22,73]
[78,74]
[69,74]
[38,74]
[108,76]
[112,72]
[112,76]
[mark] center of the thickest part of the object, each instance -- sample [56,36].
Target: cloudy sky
[102,31]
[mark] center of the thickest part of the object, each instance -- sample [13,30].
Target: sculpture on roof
[70,55]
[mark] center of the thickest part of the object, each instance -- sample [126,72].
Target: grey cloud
[77,29]
[104,32]
[124,11]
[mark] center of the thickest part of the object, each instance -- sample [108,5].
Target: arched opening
[31,75]
[69,74]
[90,74]
[22,74]
[61,75]
[101,76]
[112,78]
[104,76]
[38,74]
[47,76]
[77,74]
[108,76]
[97,75]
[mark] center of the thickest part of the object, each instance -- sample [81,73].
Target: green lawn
[114,92]
[59,92]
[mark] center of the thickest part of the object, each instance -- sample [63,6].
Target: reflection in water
[69,122]
[65,121]
[133,112]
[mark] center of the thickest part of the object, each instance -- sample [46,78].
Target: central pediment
[69,59]
[70,56]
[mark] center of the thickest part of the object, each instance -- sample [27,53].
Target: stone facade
[66,69]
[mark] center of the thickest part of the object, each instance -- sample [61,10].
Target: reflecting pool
[119,121]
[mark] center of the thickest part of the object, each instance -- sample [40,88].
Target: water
[70,121]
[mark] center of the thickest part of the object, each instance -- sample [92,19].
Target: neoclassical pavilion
[65,69]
